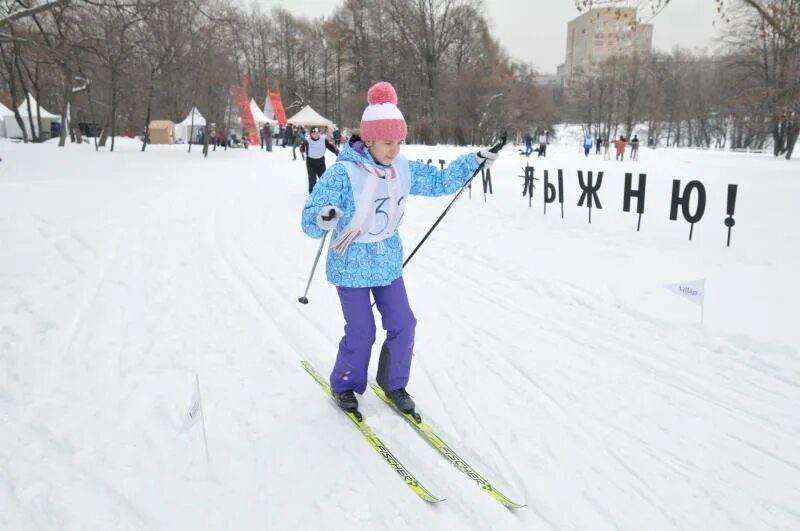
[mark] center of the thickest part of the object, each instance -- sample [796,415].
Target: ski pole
[304,298]
[496,148]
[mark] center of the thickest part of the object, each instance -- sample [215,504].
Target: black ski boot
[402,400]
[347,401]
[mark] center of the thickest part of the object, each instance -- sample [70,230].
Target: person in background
[262,136]
[619,145]
[635,148]
[587,144]
[288,135]
[542,144]
[296,141]
[314,147]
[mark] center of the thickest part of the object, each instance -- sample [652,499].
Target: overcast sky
[535,31]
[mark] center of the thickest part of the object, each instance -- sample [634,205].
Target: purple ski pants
[352,361]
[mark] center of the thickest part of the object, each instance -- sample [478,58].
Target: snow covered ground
[548,351]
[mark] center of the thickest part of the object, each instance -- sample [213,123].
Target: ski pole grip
[497,147]
[330,216]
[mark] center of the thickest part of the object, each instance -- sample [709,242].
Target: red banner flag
[277,105]
[243,103]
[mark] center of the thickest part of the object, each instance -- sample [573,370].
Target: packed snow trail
[547,349]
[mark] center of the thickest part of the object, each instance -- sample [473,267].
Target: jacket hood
[356,151]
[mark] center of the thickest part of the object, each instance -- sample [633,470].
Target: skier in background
[296,141]
[542,144]
[619,145]
[635,148]
[587,144]
[365,194]
[288,135]
[268,136]
[314,147]
[337,137]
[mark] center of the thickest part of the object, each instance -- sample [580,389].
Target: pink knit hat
[382,120]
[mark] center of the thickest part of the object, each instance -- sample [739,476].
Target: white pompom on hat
[382,120]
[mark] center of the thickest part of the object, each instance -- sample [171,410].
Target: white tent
[186,130]
[258,115]
[12,129]
[44,113]
[268,110]
[4,111]
[309,117]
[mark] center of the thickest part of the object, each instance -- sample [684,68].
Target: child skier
[366,190]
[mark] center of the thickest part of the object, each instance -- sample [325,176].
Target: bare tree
[9,55]
[428,28]
[121,63]
[767,49]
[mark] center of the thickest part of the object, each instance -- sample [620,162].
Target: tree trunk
[62,137]
[339,88]
[33,131]
[793,133]
[433,102]
[113,113]
[101,142]
[150,91]
[92,115]
[191,121]
[205,140]
[778,137]
[227,120]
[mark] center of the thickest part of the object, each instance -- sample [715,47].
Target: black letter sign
[729,221]
[550,191]
[638,194]
[684,200]
[589,194]
[528,186]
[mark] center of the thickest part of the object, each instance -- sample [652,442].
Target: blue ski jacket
[379,263]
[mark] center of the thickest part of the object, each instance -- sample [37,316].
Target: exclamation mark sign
[729,221]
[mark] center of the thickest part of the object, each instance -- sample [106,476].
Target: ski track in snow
[547,354]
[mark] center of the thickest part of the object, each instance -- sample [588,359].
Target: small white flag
[195,407]
[693,291]
[195,413]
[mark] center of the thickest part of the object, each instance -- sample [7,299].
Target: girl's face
[384,151]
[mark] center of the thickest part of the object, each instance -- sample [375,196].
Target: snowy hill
[548,350]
